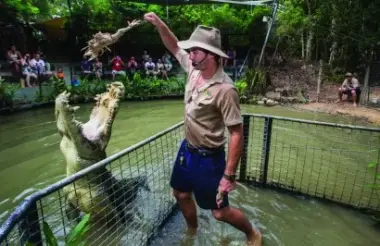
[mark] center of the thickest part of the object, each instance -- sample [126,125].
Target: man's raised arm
[167,36]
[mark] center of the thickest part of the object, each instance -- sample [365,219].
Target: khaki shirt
[354,83]
[209,108]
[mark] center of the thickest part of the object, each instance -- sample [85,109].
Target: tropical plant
[76,237]
[7,93]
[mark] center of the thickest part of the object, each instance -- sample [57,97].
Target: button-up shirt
[210,107]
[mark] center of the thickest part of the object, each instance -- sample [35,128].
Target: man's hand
[225,186]
[152,18]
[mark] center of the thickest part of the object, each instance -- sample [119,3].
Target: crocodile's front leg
[66,122]
[109,103]
[116,36]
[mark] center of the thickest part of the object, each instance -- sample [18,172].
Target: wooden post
[364,97]
[319,78]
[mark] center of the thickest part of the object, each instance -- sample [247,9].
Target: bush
[135,88]
[7,93]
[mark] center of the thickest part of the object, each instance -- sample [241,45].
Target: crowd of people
[30,68]
[146,65]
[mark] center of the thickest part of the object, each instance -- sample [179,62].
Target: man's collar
[218,76]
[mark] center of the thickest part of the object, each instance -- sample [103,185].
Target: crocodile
[98,193]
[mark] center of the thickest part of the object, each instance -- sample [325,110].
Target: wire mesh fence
[331,161]
[127,195]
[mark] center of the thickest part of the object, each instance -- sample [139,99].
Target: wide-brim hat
[204,37]
[348,74]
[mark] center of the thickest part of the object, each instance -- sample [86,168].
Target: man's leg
[237,219]
[188,208]
[340,93]
[353,94]
[181,183]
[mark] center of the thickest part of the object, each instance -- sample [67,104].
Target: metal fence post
[266,149]
[29,227]
[244,156]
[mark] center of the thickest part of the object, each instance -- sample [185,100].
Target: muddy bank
[370,115]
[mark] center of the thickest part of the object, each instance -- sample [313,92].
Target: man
[211,103]
[350,87]
[149,67]
[117,67]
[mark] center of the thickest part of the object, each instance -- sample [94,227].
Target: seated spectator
[14,58]
[98,68]
[59,74]
[350,87]
[145,57]
[38,67]
[132,65]
[86,66]
[28,72]
[117,67]
[231,61]
[150,67]
[167,60]
[161,69]
[75,81]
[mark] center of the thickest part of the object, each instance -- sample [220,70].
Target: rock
[260,102]
[271,102]
[273,95]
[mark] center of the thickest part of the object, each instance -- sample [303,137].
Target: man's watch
[229,177]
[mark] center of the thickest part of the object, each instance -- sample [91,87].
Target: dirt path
[368,114]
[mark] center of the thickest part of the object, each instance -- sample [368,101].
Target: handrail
[22,209]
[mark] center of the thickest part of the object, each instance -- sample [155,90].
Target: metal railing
[317,159]
[135,199]
[323,160]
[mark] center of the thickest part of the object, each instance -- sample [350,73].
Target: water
[282,220]
[31,159]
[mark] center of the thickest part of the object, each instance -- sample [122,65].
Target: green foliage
[292,19]
[253,85]
[7,93]
[257,81]
[137,88]
[23,7]
[76,236]
[242,89]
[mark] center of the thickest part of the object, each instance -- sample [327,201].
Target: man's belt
[204,151]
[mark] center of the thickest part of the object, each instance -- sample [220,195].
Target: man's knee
[220,214]
[353,92]
[182,196]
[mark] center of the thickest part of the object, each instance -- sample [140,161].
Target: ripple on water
[283,220]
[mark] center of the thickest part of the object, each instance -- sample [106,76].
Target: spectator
[350,87]
[38,66]
[161,69]
[59,74]
[166,58]
[231,61]
[132,65]
[145,57]
[86,67]
[14,58]
[150,67]
[75,81]
[117,67]
[98,68]
[27,71]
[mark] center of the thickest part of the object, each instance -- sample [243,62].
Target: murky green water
[31,159]
[281,218]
